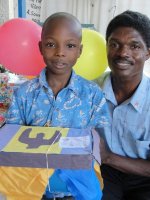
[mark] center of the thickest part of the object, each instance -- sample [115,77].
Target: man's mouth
[123,63]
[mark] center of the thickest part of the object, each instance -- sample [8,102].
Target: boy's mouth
[59,64]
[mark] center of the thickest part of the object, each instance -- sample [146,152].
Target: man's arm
[127,165]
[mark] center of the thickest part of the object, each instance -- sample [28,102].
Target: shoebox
[42,147]
[29,155]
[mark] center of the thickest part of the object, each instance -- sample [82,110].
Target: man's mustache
[123,60]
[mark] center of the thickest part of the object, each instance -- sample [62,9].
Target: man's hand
[104,152]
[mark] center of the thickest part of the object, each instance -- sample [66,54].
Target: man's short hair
[136,20]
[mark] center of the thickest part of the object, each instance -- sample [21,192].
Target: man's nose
[124,51]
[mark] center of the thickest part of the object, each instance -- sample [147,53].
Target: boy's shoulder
[86,82]
[29,85]
[83,80]
[88,88]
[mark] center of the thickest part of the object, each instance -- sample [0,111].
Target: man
[126,160]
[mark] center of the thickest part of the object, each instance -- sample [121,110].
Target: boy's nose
[60,51]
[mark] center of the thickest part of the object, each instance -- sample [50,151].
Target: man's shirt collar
[138,98]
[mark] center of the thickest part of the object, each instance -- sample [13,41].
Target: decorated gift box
[8,82]
[45,146]
[29,155]
[5,89]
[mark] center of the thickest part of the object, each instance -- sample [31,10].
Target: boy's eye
[71,45]
[51,45]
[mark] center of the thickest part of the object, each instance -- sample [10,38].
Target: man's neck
[123,88]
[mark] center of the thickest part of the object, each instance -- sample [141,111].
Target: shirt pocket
[143,149]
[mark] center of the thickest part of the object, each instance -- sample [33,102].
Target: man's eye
[135,46]
[71,45]
[113,45]
[50,44]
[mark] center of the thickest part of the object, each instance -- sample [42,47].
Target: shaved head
[62,17]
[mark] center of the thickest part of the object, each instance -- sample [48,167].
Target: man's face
[60,46]
[127,52]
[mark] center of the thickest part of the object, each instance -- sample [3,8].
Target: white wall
[97,12]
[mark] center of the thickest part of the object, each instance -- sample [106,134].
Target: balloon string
[47,166]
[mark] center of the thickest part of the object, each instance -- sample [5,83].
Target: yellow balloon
[93,60]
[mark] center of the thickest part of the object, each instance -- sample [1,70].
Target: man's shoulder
[101,79]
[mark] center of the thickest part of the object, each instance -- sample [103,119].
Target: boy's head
[135,20]
[60,42]
[60,17]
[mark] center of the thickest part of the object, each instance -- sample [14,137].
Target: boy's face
[60,45]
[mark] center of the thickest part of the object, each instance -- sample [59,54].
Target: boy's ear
[40,47]
[81,47]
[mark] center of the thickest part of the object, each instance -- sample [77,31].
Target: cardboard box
[29,155]
[42,147]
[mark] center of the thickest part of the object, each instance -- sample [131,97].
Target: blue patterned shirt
[80,104]
[130,135]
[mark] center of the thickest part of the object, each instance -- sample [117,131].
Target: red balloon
[19,51]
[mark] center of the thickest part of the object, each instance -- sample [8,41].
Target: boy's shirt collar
[73,84]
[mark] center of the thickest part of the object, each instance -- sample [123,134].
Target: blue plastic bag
[82,184]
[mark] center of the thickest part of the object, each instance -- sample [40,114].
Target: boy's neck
[57,82]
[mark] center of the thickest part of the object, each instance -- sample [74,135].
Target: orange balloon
[30,77]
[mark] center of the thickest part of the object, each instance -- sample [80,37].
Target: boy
[59,97]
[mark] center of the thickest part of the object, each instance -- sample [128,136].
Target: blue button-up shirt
[79,105]
[130,135]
